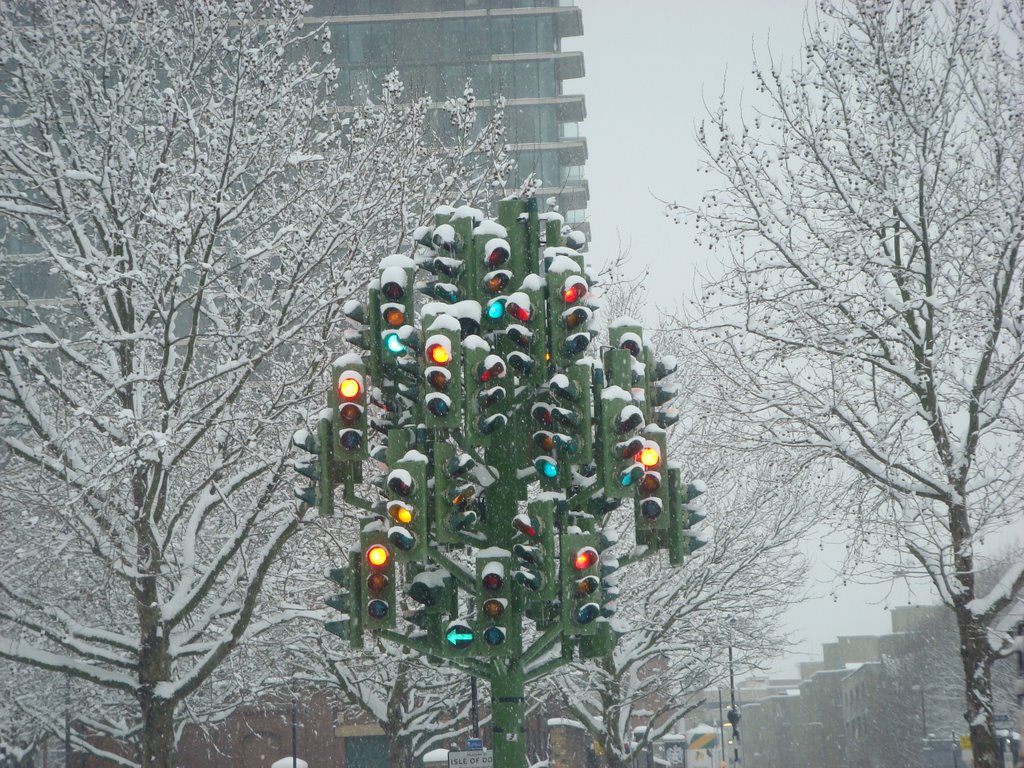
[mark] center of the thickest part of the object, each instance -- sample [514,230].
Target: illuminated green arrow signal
[459,636]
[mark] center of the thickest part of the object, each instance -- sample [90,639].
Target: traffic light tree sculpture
[507,438]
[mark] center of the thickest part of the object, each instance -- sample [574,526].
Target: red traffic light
[574,289]
[518,311]
[526,525]
[497,254]
[585,558]
[493,367]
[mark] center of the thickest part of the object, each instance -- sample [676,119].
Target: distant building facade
[505,48]
[888,701]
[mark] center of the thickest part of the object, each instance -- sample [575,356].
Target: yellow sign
[965,742]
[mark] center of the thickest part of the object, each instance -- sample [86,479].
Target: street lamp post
[924,723]
[924,720]
[295,734]
[733,715]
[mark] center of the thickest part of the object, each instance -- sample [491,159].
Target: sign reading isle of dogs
[478,758]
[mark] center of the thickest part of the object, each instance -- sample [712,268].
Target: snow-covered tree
[186,210]
[871,315]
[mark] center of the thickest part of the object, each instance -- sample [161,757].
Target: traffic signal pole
[508,439]
[508,715]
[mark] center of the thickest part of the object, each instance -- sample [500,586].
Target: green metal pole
[508,713]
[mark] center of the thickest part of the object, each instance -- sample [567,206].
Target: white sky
[651,66]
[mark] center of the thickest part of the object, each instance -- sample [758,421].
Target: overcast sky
[650,67]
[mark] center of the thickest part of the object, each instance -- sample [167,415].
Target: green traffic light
[459,636]
[393,343]
[631,476]
[546,466]
[496,309]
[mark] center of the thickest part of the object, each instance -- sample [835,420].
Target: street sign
[477,758]
[474,743]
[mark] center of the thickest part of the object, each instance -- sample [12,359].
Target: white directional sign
[477,758]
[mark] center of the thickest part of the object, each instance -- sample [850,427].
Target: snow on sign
[478,758]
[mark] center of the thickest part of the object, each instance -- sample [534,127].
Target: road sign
[474,743]
[477,758]
[965,742]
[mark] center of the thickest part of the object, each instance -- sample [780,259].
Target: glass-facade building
[505,48]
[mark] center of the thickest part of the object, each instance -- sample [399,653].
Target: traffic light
[459,637]
[602,642]
[609,576]
[443,376]
[535,550]
[658,395]
[684,511]
[365,332]
[497,624]
[497,273]
[434,590]
[572,389]
[625,362]
[407,511]
[526,332]
[442,262]
[570,316]
[485,396]
[348,375]
[620,468]
[454,492]
[347,602]
[395,308]
[320,493]
[377,570]
[651,505]
[581,584]
[552,439]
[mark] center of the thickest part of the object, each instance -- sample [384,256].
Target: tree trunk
[400,752]
[976,656]
[158,745]
[155,665]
